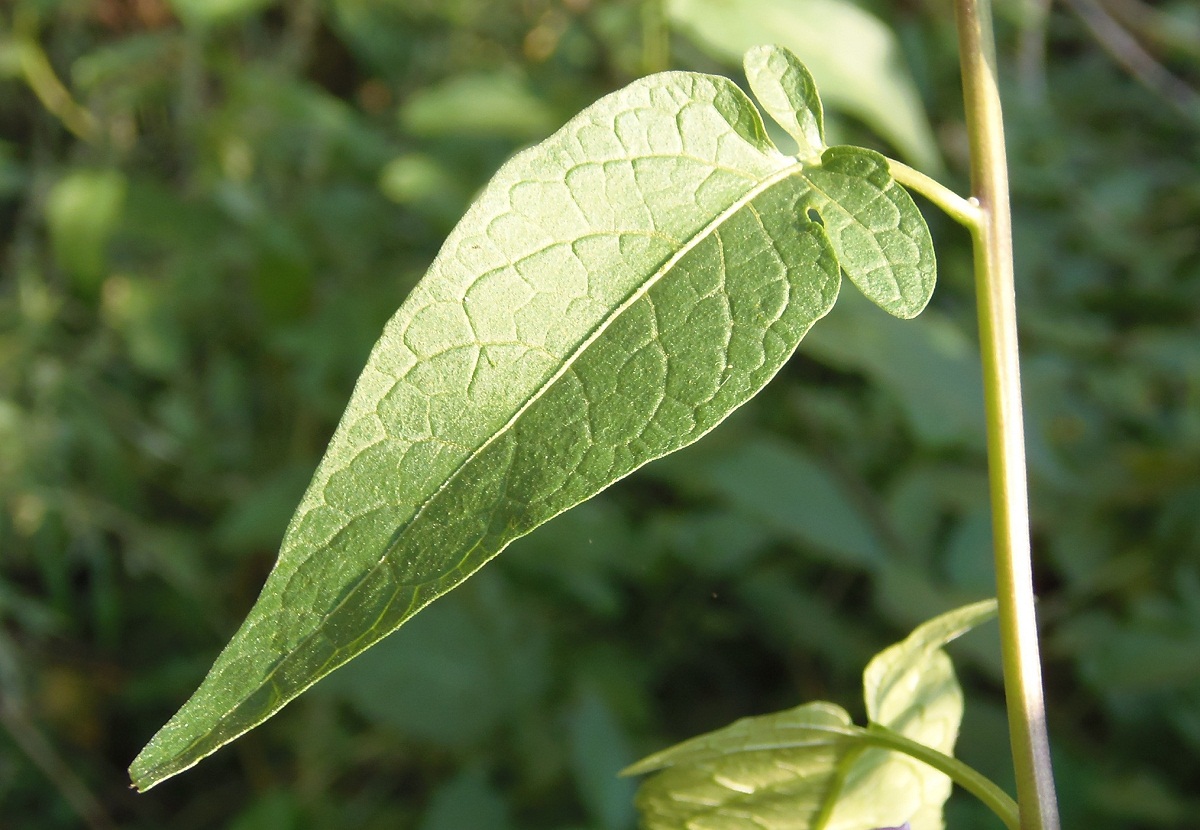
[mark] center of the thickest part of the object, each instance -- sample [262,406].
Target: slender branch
[996,298]
[15,720]
[1125,50]
[963,211]
[55,97]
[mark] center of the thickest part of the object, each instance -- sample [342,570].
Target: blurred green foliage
[208,210]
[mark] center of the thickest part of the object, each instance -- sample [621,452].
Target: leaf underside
[810,768]
[613,294]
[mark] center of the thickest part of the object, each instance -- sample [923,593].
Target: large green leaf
[810,767]
[613,294]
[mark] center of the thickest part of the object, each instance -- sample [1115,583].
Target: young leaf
[879,235]
[896,681]
[809,767]
[911,689]
[854,56]
[788,94]
[881,239]
[613,294]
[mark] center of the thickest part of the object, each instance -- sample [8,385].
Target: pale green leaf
[910,688]
[813,724]
[879,235]
[612,295]
[788,94]
[810,767]
[854,57]
[774,771]
[892,682]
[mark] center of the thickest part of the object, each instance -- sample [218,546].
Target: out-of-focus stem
[55,97]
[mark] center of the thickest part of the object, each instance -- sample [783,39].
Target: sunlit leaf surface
[613,294]
[911,689]
[773,771]
[810,767]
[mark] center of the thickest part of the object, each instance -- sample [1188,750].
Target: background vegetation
[207,212]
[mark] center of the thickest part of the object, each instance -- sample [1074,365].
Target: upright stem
[996,299]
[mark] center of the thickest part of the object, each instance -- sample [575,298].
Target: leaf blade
[880,236]
[787,92]
[910,688]
[770,771]
[813,723]
[886,688]
[856,59]
[537,303]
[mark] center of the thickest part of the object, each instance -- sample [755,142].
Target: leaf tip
[651,763]
[145,772]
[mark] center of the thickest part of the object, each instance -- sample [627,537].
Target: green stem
[996,299]
[964,211]
[40,76]
[979,785]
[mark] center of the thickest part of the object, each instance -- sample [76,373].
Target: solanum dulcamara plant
[611,296]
